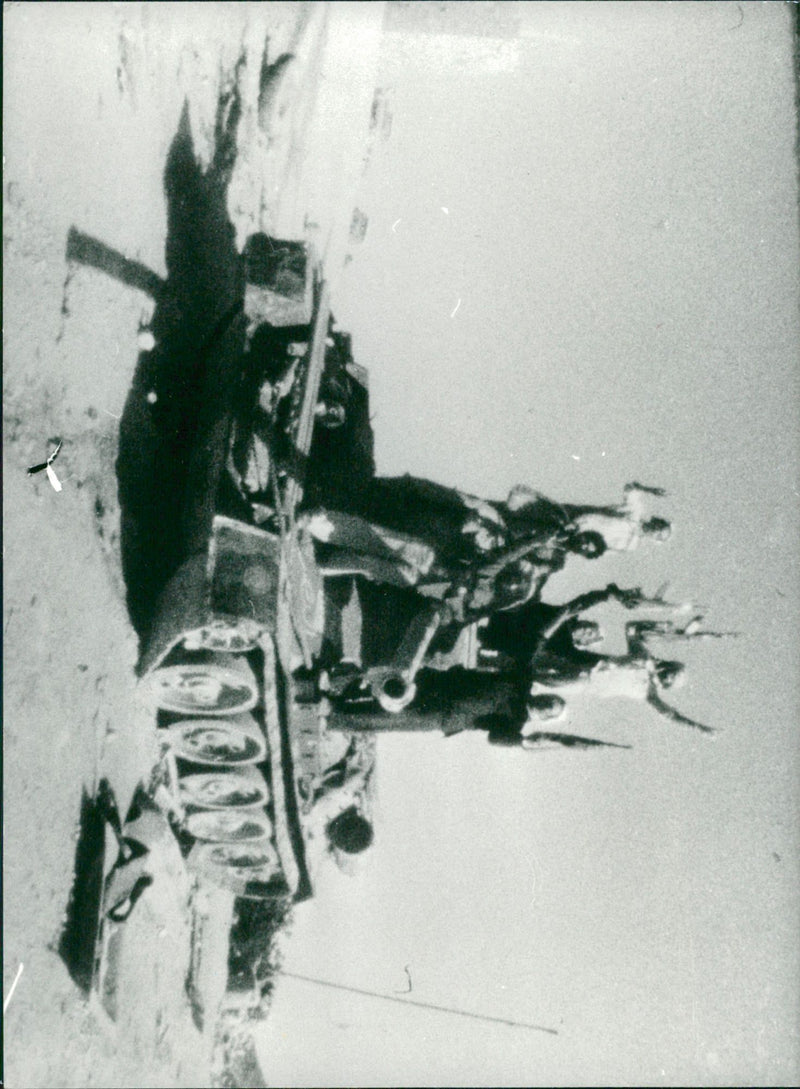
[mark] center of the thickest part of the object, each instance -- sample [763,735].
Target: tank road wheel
[237,635]
[222,685]
[254,873]
[236,740]
[258,854]
[249,869]
[229,825]
[226,787]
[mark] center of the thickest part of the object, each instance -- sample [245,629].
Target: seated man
[520,634]
[458,526]
[510,577]
[353,546]
[637,675]
[531,737]
[495,554]
[509,638]
[622,526]
[502,578]
[462,528]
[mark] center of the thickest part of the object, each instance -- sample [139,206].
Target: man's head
[515,584]
[350,832]
[586,633]
[657,529]
[521,496]
[671,674]
[544,708]
[589,544]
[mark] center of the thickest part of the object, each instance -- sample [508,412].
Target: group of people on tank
[485,563]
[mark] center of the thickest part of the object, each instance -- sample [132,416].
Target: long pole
[418,1004]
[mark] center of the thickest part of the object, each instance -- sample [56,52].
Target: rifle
[666,629]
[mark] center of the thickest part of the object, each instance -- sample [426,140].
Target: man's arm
[504,557]
[638,632]
[654,699]
[668,630]
[542,740]
[635,486]
[634,501]
[629,598]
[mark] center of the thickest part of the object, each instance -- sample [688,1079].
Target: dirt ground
[93,97]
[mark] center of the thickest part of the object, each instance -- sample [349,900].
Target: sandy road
[93,98]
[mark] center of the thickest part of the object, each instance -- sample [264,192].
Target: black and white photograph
[401,508]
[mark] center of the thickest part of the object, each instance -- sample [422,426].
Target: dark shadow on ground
[86,250]
[182,388]
[199,377]
[77,942]
[256,923]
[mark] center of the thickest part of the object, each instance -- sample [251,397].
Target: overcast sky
[581,268]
